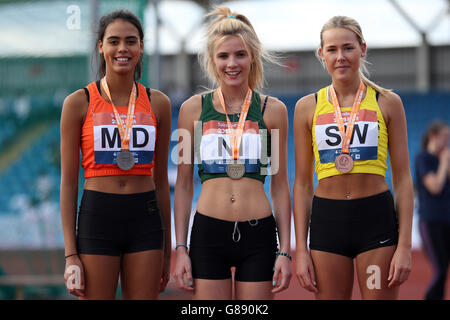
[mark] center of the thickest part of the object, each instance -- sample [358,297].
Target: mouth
[232,74]
[122,60]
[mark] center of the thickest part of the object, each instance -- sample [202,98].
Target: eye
[113,42]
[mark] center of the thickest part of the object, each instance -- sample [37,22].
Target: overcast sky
[41,28]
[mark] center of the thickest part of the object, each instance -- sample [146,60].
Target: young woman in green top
[233,225]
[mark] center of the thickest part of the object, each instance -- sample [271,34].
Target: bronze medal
[344,163]
[235,170]
[125,160]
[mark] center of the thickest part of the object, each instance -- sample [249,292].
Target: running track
[413,289]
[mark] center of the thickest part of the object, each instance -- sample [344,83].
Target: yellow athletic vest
[368,146]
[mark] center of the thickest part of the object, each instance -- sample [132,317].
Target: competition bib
[363,141]
[216,149]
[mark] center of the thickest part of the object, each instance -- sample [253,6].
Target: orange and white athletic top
[368,145]
[100,139]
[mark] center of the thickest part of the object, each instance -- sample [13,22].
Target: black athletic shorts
[114,224]
[350,227]
[217,245]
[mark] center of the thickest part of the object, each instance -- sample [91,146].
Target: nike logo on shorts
[381,242]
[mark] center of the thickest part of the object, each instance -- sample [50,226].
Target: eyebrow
[117,37]
[226,52]
[345,44]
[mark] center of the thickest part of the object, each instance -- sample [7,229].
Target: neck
[234,96]
[346,88]
[119,84]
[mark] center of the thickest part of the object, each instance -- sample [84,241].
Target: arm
[434,182]
[303,188]
[276,118]
[402,184]
[74,109]
[184,188]
[162,108]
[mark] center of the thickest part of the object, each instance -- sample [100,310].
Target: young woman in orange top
[123,131]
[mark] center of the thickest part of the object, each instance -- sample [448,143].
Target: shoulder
[193,104]
[391,105]
[273,104]
[76,98]
[191,109]
[159,98]
[76,104]
[305,107]
[275,114]
[160,104]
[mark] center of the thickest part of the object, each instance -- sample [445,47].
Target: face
[232,59]
[341,53]
[442,138]
[121,46]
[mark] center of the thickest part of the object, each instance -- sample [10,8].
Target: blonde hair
[228,23]
[352,25]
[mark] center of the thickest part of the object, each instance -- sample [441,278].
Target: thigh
[334,275]
[101,275]
[254,290]
[212,289]
[141,274]
[373,271]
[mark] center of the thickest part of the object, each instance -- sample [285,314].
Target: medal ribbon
[236,134]
[347,134]
[124,129]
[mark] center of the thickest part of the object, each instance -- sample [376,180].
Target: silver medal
[125,160]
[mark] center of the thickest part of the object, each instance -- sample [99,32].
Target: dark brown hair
[125,15]
[433,129]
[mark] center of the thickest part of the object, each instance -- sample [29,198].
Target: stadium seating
[42,158]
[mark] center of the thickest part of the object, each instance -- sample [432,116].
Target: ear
[363,50]
[142,46]
[100,46]
[320,54]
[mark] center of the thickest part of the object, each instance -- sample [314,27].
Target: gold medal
[235,170]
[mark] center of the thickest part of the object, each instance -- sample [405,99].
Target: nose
[231,62]
[122,46]
[341,56]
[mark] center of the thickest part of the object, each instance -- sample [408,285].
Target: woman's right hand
[74,276]
[305,271]
[183,270]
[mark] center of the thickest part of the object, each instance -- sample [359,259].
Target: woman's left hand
[165,275]
[400,267]
[282,274]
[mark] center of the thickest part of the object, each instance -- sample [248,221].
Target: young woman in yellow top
[346,130]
